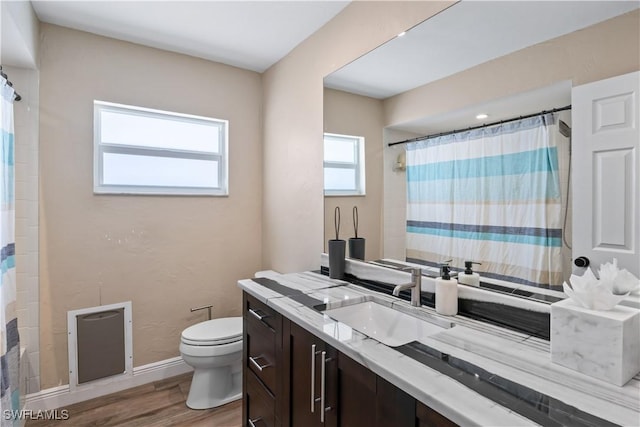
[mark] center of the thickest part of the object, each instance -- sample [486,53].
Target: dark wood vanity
[292,378]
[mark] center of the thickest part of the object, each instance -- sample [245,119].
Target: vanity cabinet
[292,378]
[322,378]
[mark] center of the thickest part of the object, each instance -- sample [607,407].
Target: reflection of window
[143,151]
[343,165]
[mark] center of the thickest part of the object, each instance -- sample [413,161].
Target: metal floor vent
[99,343]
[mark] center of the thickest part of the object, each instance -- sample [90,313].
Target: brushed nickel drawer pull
[258,315]
[252,423]
[257,365]
[313,377]
[323,385]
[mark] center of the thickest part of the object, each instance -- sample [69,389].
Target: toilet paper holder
[208,307]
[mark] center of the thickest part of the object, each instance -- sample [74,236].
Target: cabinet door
[356,394]
[312,382]
[606,171]
[427,417]
[394,407]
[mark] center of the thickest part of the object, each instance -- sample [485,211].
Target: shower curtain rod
[16,95]
[422,138]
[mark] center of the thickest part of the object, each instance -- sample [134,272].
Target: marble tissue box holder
[601,344]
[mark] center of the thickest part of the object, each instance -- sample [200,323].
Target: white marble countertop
[517,357]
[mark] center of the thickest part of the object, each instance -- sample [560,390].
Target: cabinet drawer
[261,354]
[260,404]
[256,311]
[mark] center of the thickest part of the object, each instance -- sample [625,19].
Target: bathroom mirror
[505,59]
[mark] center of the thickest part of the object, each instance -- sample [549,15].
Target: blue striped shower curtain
[490,195]
[9,340]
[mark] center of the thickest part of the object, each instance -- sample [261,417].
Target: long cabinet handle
[257,365]
[323,386]
[313,377]
[252,423]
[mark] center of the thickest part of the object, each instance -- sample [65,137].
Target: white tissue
[604,294]
[621,281]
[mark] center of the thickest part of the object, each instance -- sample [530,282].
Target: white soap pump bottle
[446,292]
[468,277]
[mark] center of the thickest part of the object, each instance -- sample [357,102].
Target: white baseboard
[62,396]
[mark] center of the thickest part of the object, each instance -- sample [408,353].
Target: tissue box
[601,344]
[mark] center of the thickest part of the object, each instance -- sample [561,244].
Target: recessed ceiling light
[482,116]
[402,34]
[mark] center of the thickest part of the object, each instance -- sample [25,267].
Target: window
[143,151]
[343,165]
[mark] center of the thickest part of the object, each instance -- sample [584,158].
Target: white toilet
[214,349]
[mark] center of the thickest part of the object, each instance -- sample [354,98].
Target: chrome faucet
[414,285]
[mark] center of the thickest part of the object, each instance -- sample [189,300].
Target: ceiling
[256,34]
[465,35]
[248,34]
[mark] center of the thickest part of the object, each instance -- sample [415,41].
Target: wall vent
[100,343]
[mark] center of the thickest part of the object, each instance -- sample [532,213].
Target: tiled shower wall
[26,116]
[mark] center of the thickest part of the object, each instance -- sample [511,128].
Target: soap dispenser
[446,292]
[469,277]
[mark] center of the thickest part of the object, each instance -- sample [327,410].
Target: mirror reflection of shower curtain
[10,345]
[490,195]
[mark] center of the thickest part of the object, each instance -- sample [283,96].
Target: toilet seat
[214,332]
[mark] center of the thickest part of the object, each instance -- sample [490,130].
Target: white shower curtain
[490,195]
[9,339]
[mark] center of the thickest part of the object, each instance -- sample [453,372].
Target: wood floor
[160,404]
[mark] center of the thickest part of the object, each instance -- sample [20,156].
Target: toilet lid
[214,332]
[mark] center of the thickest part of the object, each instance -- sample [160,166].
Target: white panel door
[606,171]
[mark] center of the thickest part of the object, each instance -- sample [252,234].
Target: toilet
[214,349]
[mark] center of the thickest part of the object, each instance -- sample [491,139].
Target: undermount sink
[388,325]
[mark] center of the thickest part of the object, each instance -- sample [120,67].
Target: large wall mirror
[503,59]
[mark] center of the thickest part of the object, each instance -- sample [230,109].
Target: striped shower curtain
[490,195]
[9,340]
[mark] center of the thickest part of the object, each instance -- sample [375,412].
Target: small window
[343,165]
[143,151]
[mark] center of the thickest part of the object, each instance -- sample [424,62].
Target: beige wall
[293,198]
[604,50]
[349,114]
[165,254]
[395,197]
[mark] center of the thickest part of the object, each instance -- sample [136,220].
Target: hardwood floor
[158,404]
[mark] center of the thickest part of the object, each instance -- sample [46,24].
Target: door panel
[606,165]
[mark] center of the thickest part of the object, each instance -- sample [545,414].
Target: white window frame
[358,165]
[100,148]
